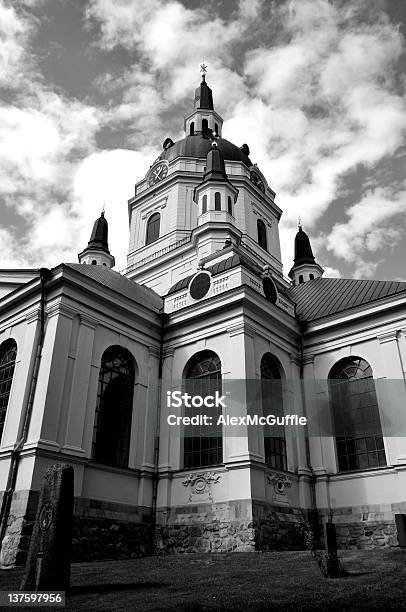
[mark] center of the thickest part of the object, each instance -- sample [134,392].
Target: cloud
[310,85]
[374,224]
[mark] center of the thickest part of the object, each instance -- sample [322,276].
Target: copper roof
[121,284]
[322,297]
[198,146]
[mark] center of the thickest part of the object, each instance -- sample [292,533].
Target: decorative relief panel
[280,484]
[201,485]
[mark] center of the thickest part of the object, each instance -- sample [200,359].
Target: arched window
[112,425]
[230,205]
[261,231]
[311,276]
[204,204]
[205,126]
[356,419]
[203,445]
[8,354]
[301,279]
[217,201]
[94,262]
[192,128]
[153,228]
[216,128]
[272,403]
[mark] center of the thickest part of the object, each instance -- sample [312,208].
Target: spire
[99,237]
[303,249]
[203,93]
[215,166]
[305,267]
[97,250]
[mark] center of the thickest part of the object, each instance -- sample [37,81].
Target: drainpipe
[44,275]
[164,318]
[303,325]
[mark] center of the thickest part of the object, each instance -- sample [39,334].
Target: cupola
[97,250]
[203,120]
[305,267]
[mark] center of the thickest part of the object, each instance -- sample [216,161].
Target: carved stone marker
[49,556]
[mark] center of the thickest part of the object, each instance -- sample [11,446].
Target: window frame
[262,235]
[154,219]
[7,347]
[356,452]
[275,447]
[107,381]
[194,447]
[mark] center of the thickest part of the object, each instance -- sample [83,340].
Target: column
[74,436]
[392,395]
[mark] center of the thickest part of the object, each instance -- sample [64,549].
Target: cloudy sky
[89,89]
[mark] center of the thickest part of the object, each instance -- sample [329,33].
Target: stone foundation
[20,523]
[225,527]
[278,527]
[365,527]
[101,530]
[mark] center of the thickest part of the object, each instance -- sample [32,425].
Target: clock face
[158,173]
[257,180]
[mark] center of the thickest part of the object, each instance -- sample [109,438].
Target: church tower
[305,267]
[200,192]
[97,250]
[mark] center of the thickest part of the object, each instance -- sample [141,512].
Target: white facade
[248,311]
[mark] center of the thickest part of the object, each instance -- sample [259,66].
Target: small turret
[305,267]
[97,250]
[203,120]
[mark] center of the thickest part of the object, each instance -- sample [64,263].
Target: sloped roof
[119,283]
[322,297]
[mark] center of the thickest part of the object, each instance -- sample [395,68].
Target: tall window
[272,403]
[112,426]
[153,228]
[217,201]
[192,128]
[204,204]
[230,205]
[203,445]
[8,354]
[261,230]
[301,279]
[356,415]
[205,126]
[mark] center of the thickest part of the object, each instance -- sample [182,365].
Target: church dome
[197,145]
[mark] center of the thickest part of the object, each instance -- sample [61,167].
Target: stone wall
[101,530]
[210,527]
[278,527]
[107,530]
[366,527]
[19,528]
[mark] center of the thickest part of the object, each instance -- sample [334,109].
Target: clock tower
[200,192]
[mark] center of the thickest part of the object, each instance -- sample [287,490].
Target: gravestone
[49,556]
[333,564]
[400,520]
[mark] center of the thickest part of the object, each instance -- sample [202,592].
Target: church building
[89,357]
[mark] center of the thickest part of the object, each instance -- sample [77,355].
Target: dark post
[400,520]
[333,564]
[49,556]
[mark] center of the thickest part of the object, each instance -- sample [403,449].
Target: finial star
[203,69]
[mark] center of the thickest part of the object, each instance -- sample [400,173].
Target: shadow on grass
[113,586]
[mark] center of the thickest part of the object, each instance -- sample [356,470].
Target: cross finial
[300,222]
[203,70]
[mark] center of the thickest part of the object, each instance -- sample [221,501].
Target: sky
[90,89]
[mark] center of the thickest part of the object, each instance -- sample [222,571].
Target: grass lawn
[376,580]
